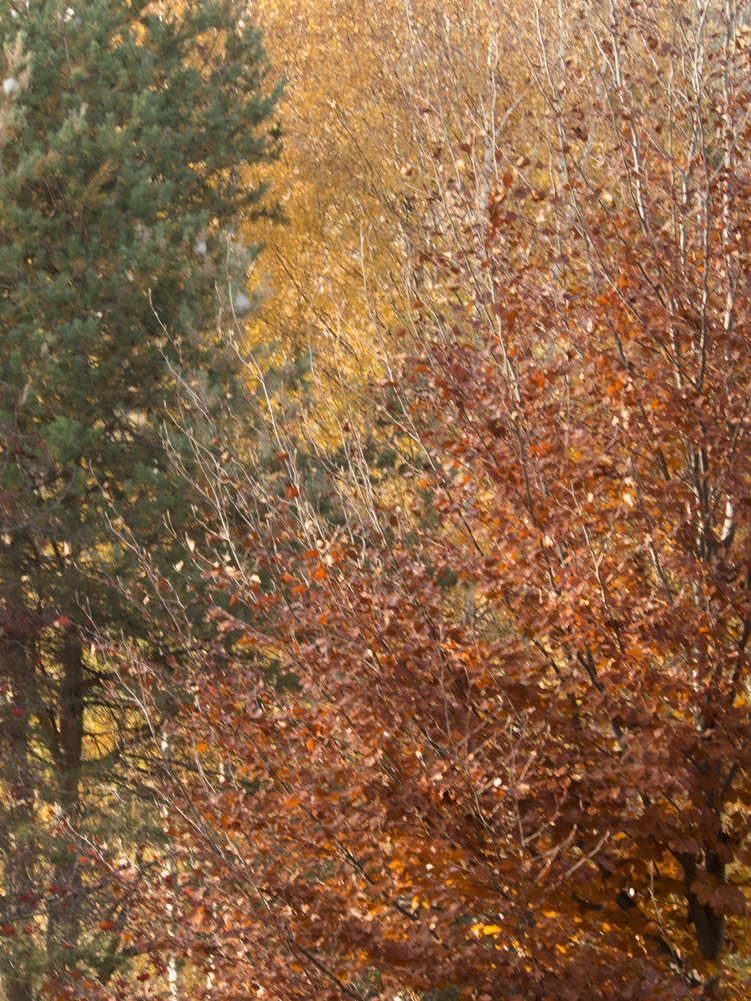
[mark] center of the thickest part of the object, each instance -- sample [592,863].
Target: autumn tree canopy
[513,762]
[470,720]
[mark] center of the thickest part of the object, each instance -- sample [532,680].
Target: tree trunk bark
[64,915]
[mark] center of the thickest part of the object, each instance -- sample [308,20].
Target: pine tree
[126,138]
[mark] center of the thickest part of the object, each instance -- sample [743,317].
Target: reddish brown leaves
[511,753]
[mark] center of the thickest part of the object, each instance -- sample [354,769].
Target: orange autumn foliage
[510,755]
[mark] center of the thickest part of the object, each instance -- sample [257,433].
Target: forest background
[375,607]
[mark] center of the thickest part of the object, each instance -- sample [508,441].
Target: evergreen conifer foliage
[125,138]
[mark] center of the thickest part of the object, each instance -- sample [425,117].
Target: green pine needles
[128,137]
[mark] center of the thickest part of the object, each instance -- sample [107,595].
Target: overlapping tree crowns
[518,759]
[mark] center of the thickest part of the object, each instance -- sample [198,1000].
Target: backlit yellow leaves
[481,929]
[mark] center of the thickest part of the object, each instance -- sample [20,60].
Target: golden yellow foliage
[373,89]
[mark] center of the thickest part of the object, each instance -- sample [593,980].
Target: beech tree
[513,758]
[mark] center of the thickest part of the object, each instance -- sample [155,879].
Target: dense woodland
[375,500]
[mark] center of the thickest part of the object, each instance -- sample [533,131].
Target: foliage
[119,195]
[466,715]
[518,763]
[334,278]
